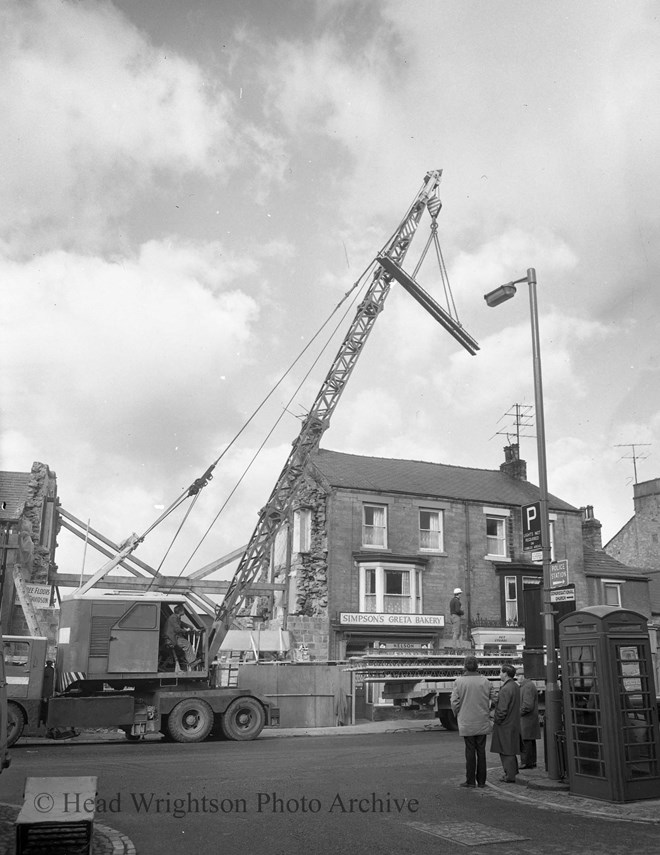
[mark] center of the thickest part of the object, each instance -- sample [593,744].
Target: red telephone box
[610,705]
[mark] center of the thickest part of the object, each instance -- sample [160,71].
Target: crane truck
[115,669]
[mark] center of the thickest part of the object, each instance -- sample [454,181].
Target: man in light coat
[530,729]
[506,726]
[471,701]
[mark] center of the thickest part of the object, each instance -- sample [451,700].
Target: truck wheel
[191,720]
[448,720]
[15,723]
[243,719]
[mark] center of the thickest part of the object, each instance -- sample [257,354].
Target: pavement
[533,786]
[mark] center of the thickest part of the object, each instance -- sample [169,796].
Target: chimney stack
[647,497]
[591,528]
[513,465]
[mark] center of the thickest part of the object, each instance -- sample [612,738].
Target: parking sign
[531,526]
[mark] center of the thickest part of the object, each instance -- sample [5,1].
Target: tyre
[191,720]
[243,719]
[448,720]
[15,723]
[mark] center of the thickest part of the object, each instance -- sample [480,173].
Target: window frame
[380,507]
[440,531]
[302,530]
[510,600]
[372,583]
[501,516]
[616,585]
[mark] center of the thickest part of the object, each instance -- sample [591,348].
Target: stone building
[378,545]
[638,542]
[28,530]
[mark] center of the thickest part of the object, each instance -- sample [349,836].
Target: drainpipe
[468,570]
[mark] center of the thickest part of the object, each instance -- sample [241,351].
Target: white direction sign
[564,596]
[559,574]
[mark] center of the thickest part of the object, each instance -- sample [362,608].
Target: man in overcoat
[530,729]
[470,701]
[506,726]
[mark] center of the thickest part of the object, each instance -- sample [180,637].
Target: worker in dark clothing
[530,728]
[506,726]
[175,635]
[455,614]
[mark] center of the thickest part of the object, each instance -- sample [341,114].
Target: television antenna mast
[634,455]
[523,419]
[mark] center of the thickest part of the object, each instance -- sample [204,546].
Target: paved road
[392,792]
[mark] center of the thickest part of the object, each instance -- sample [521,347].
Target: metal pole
[552,694]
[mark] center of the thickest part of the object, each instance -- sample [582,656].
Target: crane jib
[415,290]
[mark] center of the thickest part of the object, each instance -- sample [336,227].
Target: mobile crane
[110,670]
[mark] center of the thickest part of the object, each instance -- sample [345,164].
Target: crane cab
[113,637]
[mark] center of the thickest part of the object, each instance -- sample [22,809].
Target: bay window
[390,589]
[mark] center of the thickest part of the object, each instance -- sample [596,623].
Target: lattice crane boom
[256,558]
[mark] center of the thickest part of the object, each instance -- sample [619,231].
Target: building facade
[377,547]
[638,542]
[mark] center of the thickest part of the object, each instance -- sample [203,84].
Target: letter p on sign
[531,527]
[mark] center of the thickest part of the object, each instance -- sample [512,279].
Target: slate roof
[13,494]
[598,563]
[417,477]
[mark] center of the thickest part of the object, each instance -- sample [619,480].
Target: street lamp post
[552,694]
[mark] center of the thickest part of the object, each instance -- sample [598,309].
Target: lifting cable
[449,297]
[201,482]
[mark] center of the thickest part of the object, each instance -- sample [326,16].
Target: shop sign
[377,619]
[39,595]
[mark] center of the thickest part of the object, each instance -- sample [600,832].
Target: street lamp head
[501,294]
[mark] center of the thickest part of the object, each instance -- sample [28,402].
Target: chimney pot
[513,465]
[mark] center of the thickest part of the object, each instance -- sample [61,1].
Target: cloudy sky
[189,190]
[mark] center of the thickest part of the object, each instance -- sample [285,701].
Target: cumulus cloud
[92,110]
[131,353]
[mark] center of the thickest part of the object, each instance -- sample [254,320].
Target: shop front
[359,634]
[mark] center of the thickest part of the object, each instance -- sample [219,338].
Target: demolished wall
[35,548]
[311,568]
